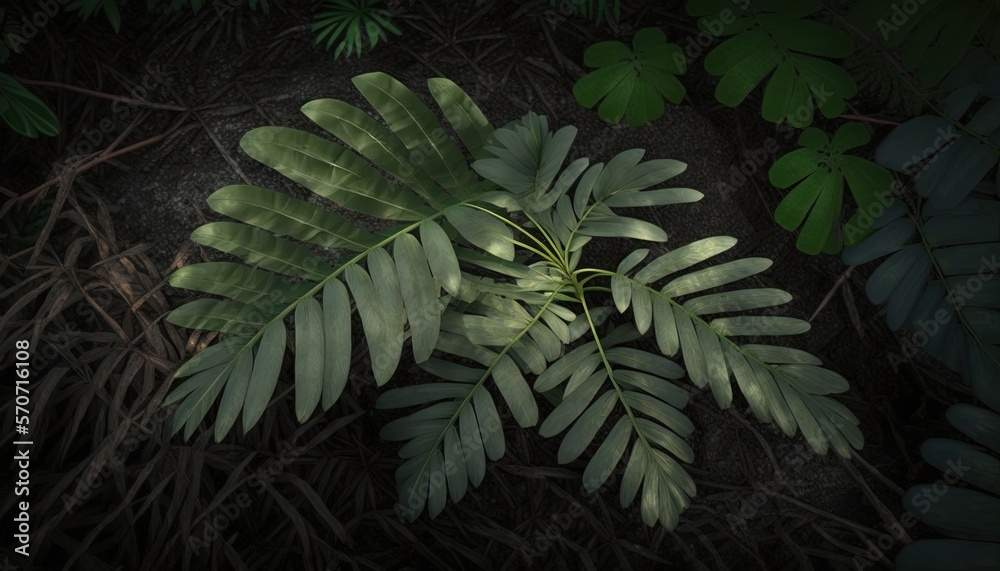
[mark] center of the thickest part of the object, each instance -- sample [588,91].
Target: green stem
[548,254]
[611,374]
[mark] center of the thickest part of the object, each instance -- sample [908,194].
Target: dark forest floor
[764,501]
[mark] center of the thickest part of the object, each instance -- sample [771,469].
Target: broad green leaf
[372,140]
[332,171]
[573,405]
[739,300]
[644,361]
[222,352]
[234,395]
[419,296]
[490,426]
[632,82]
[582,433]
[654,385]
[683,258]
[776,37]
[607,456]
[455,458]
[758,325]
[260,248]
[266,368]
[483,230]
[660,411]
[622,227]
[665,326]
[382,330]
[431,150]
[659,197]
[515,392]
[24,112]
[715,276]
[239,282]
[463,114]
[284,215]
[642,308]
[441,256]
[309,357]
[214,315]
[337,341]
[472,445]
[621,292]
[198,392]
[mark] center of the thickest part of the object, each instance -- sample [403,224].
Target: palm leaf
[643,388]
[937,35]
[789,393]
[967,514]
[462,425]
[396,294]
[934,281]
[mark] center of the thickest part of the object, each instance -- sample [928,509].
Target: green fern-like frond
[348,22]
[951,242]
[396,294]
[970,516]
[462,427]
[775,39]
[949,154]
[786,386]
[783,385]
[934,35]
[482,278]
[938,281]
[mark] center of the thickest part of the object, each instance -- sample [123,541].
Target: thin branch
[868,119]
[86,167]
[101,94]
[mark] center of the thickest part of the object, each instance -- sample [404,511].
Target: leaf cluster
[349,22]
[935,36]
[819,171]
[480,279]
[774,41]
[598,10]
[23,111]
[967,515]
[632,82]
